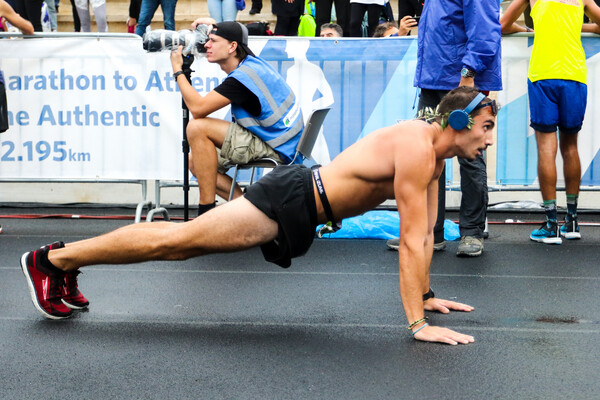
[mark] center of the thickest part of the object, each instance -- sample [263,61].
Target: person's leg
[76,20]
[323,14]
[215,9]
[229,10]
[147,10]
[572,164]
[547,146]
[168,10]
[473,208]
[34,13]
[342,14]
[99,7]
[571,114]
[256,7]
[293,24]
[544,98]
[241,147]
[52,14]
[373,13]
[205,135]
[19,7]
[281,26]
[357,12]
[84,15]
[235,226]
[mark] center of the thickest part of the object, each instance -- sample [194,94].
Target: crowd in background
[349,18]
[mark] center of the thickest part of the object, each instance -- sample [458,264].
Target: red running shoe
[72,297]
[45,286]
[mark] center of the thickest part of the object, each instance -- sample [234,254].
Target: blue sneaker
[570,229]
[547,233]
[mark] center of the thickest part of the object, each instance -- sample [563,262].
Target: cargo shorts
[241,146]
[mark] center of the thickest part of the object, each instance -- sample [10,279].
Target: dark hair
[335,27]
[240,52]
[458,99]
[382,28]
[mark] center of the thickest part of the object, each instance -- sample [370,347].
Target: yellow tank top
[557,51]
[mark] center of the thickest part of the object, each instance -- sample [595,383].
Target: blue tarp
[381,225]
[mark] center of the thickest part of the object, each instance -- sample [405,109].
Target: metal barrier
[368,83]
[10,145]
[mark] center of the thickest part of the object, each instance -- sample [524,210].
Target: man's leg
[168,9]
[99,7]
[235,226]
[323,11]
[342,13]
[572,171]
[147,10]
[83,10]
[547,146]
[473,206]
[256,7]
[205,135]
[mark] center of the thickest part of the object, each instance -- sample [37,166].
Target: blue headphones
[459,119]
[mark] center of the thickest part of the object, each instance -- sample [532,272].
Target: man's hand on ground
[442,335]
[444,306]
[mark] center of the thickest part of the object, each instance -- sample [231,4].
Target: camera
[192,40]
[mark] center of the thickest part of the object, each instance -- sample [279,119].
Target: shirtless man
[281,211]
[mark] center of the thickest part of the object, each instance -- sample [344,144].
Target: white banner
[93,108]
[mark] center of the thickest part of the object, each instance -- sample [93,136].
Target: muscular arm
[416,197]
[15,19]
[414,250]
[200,106]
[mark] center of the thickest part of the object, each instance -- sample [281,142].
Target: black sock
[202,208]
[48,266]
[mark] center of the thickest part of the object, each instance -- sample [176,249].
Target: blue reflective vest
[459,33]
[280,122]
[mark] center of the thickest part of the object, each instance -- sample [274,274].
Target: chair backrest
[311,131]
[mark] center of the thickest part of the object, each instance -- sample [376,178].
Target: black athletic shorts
[286,196]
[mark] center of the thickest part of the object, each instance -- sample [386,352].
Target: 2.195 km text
[40,151]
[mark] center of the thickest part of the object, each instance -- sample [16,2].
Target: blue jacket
[459,33]
[280,122]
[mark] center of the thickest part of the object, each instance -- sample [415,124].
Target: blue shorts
[557,103]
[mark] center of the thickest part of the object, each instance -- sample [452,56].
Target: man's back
[363,175]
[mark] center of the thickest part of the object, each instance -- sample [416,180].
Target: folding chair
[303,149]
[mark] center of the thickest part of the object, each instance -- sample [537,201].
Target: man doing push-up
[281,211]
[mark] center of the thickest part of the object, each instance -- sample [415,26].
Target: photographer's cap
[234,32]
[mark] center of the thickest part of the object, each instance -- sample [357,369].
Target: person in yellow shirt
[557,99]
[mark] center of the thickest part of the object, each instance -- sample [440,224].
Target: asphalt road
[331,327]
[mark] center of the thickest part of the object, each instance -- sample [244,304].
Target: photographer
[268,120]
